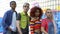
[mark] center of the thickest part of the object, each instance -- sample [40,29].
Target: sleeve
[18,16]
[4,20]
[43,23]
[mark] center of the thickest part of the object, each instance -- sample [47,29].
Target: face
[49,13]
[26,8]
[13,5]
[37,13]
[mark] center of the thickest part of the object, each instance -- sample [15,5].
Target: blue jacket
[7,19]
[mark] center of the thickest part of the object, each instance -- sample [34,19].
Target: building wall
[4,4]
[49,4]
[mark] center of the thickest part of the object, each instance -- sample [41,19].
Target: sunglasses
[48,12]
[25,6]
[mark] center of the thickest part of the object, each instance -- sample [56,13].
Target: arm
[4,21]
[18,23]
[43,26]
[42,29]
[19,30]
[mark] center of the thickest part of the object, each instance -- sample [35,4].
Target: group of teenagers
[22,23]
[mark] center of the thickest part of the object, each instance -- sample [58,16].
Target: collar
[12,10]
[23,13]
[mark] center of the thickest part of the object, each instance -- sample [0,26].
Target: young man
[9,20]
[23,19]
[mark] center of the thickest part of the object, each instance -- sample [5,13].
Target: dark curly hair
[33,10]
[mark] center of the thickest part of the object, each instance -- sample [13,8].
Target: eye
[49,12]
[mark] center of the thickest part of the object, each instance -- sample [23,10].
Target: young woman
[35,23]
[48,25]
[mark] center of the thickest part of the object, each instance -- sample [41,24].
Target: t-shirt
[35,25]
[44,24]
[13,25]
[24,20]
[48,26]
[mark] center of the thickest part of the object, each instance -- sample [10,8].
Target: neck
[37,18]
[13,9]
[25,12]
[50,18]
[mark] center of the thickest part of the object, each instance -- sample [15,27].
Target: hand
[56,32]
[32,19]
[46,33]
[20,32]
[9,28]
[38,31]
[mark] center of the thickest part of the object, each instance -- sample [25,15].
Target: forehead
[12,3]
[37,10]
[48,11]
[26,4]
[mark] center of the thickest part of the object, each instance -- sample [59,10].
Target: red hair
[34,9]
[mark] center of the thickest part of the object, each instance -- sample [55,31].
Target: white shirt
[13,25]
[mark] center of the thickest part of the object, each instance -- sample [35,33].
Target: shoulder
[18,13]
[18,16]
[7,12]
[21,13]
[44,20]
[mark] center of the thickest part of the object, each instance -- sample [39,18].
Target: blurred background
[44,4]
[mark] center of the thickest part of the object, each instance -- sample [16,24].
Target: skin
[49,16]
[13,6]
[25,9]
[37,13]
[18,26]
